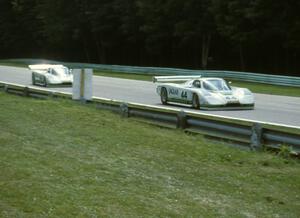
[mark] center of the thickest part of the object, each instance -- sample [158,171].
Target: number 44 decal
[184,94]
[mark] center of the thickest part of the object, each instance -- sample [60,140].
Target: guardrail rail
[234,75]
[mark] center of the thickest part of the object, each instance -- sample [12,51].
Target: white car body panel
[50,74]
[223,98]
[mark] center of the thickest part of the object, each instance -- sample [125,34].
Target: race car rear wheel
[164,96]
[33,79]
[45,82]
[195,102]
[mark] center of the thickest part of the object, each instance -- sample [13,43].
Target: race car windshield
[60,71]
[216,85]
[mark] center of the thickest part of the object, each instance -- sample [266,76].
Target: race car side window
[197,84]
[228,85]
[54,72]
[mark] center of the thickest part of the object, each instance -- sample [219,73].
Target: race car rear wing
[43,66]
[174,78]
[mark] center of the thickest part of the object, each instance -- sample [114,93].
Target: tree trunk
[101,52]
[205,49]
[287,61]
[86,50]
[242,60]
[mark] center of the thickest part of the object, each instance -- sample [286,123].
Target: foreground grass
[59,158]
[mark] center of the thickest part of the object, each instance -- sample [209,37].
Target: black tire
[164,96]
[33,79]
[45,82]
[195,102]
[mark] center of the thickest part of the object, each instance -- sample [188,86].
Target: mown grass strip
[13,64]
[59,158]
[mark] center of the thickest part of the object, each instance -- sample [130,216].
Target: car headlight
[247,92]
[242,92]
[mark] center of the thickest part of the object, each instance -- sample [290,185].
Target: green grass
[13,63]
[254,87]
[59,158]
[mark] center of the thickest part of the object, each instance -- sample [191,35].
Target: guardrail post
[82,88]
[124,110]
[181,120]
[5,88]
[26,91]
[51,95]
[256,137]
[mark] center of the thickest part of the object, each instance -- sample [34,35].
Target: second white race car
[50,74]
[203,93]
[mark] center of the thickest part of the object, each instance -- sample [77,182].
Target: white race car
[203,93]
[49,74]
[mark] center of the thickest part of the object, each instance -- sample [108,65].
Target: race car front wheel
[195,102]
[164,96]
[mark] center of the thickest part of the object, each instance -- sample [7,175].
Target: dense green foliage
[256,35]
[61,159]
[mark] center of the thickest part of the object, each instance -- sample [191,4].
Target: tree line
[254,35]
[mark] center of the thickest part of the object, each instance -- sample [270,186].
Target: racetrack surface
[268,108]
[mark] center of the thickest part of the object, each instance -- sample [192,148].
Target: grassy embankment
[59,158]
[254,87]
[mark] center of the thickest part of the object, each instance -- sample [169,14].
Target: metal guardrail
[242,76]
[255,134]
[31,91]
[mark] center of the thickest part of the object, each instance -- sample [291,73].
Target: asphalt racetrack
[268,108]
